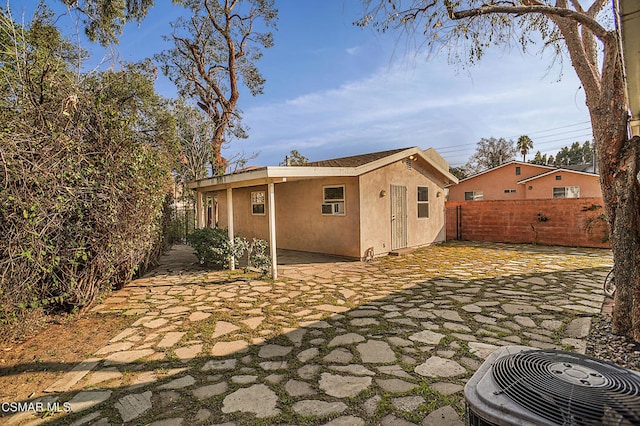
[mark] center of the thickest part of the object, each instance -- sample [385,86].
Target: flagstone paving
[389,342]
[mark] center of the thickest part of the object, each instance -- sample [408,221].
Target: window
[473,195]
[423,201]
[257,203]
[518,171]
[558,177]
[566,192]
[333,200]
[509,191]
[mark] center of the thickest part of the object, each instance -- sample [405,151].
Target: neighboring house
[524,181]
[353,206]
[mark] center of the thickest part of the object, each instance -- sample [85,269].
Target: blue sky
[333,89]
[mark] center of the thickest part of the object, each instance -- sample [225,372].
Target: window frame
[335,203]
[475,195]
[257,202]
[567,191]
[422,202]
[518,171]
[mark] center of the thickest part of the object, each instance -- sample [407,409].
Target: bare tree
[588,34]
[194,133]
[215,50]
[490,153]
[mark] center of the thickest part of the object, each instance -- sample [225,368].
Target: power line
[449,149]
[533,133]
[555,128]
[456,148]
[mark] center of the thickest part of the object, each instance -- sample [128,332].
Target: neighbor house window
[518,171]
[566,192]
[257,202]
[558,177]
[509,191]
[333,200]
[473,195]
[423,201]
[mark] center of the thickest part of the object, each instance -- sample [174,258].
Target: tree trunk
[219,163]
[622,202]
[618,161]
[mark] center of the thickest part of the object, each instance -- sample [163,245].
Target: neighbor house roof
[579,167]
[345,166]
[508,164]
[544,170]
[554,171]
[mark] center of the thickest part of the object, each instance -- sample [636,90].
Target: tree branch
[550,11]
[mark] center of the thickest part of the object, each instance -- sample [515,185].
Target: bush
[258,256]
[213,249]
[211,246]
[83,175]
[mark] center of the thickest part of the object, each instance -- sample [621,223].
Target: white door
[398,217]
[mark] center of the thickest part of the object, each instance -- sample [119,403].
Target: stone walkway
[391,342]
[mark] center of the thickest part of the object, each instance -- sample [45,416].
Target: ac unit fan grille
[568,388]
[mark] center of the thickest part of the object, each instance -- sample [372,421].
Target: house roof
[508,164]
[346,166]
[554,171]
[544,170]
[579,167]
[354,160]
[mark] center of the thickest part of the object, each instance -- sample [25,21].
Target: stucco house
[517,180]
[354,206]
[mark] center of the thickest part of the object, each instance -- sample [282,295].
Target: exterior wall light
[383,193]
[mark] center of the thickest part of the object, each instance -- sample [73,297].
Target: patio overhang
[279,174]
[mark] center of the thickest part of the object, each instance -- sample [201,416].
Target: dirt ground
[47,346]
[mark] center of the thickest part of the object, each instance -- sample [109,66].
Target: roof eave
[282,173]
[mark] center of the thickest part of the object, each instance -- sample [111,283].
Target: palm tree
[524,145]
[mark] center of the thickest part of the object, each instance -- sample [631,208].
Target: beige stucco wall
[301,225]
[245,224]
[376,210]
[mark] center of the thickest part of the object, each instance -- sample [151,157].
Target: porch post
[272,230]
[232,262]
[199,210]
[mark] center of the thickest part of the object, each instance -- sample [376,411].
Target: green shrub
[84,170]
[213,249]
[258,255]
[211,246]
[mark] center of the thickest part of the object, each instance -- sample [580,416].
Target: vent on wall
[526,386]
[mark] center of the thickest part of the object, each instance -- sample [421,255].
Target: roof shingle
[354,160]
